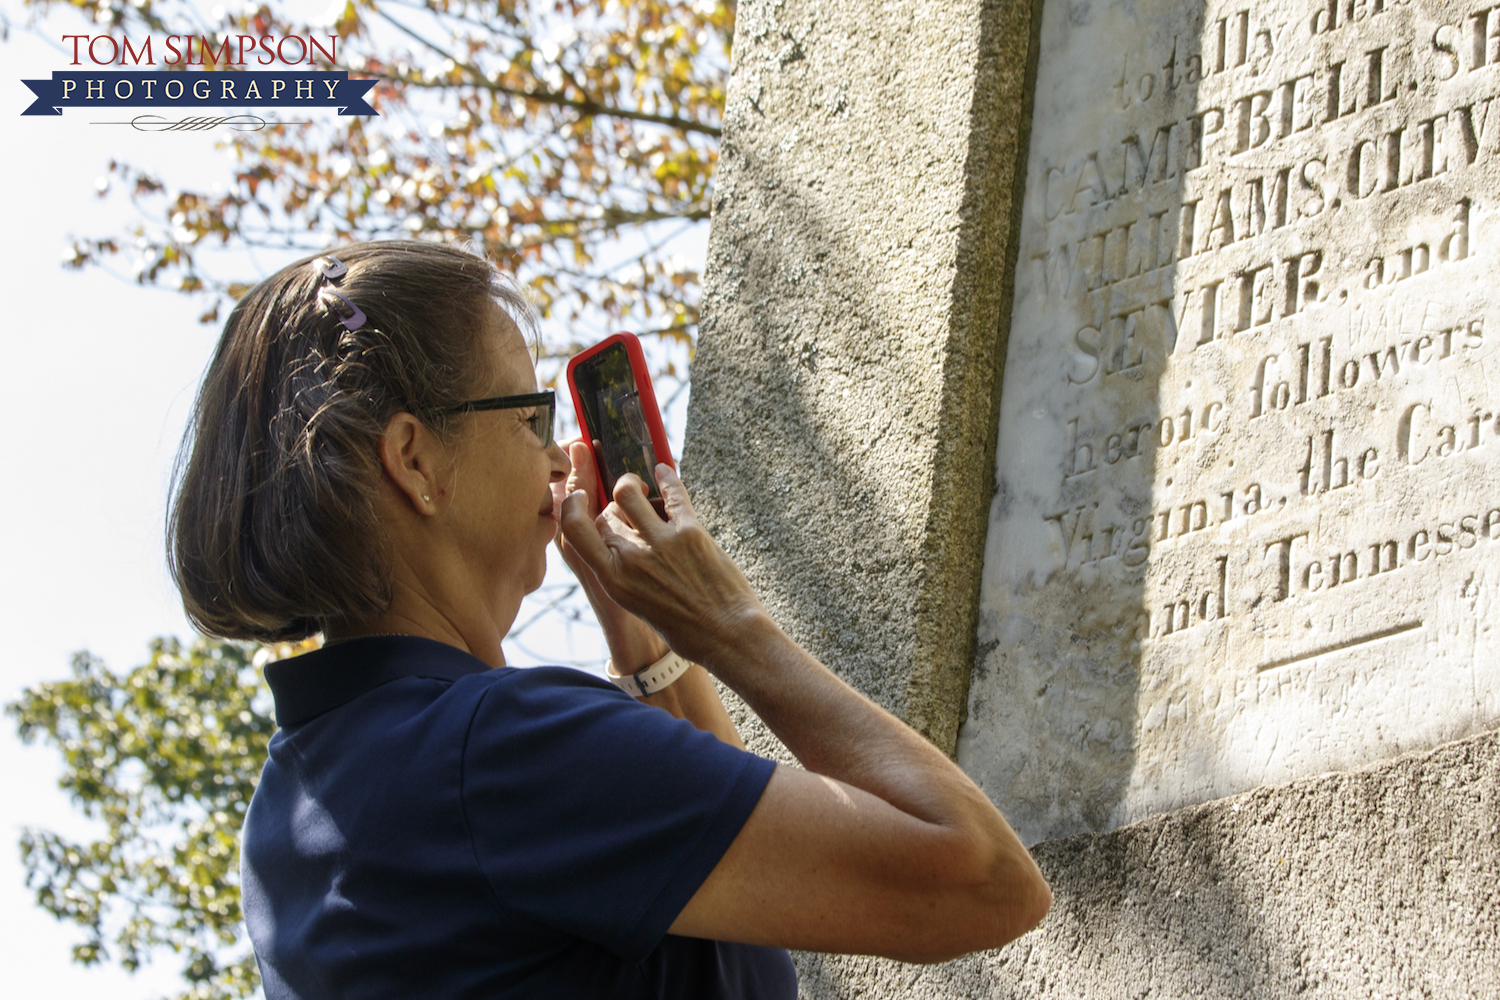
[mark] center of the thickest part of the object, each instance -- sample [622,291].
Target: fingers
[673,492]
[616,530]
[630,497]
[583,534]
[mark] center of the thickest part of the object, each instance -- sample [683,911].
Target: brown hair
[273,531]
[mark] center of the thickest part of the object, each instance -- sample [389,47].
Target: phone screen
[613,419]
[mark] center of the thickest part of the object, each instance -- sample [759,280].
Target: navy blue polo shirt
[427,826]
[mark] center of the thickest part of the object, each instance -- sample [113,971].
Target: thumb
[583,476]
[583,535]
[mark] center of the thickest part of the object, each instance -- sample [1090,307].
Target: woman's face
[501,502]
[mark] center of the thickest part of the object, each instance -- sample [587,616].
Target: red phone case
[649,408]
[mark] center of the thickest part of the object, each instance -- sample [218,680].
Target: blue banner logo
[249,89]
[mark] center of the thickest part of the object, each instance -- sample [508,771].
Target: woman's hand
[632,643]
[671,574]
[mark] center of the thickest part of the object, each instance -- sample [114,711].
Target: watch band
[649,680]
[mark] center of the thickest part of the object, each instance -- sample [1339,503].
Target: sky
[96,382]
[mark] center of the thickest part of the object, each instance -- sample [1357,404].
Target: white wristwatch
[652,679]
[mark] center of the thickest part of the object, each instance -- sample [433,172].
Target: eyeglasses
[540,421]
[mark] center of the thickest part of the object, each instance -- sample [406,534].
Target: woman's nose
[561,465]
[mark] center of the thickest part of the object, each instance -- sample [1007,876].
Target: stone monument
[1111,388]
[1248,519]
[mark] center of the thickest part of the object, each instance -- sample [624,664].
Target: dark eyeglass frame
[541,421]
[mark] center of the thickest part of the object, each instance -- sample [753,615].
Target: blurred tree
[563,134]
[572,138]
[165,757]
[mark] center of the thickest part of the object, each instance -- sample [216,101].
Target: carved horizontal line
[1384,633]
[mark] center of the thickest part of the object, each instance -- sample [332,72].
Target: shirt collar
[306,686]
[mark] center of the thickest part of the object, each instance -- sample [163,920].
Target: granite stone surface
[1171,419]
[1378,884]
[1248,519]
[840,434]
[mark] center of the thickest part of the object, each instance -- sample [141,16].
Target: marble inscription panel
[1248,518]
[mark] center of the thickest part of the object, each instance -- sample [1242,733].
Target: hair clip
[356,317]
[333,269]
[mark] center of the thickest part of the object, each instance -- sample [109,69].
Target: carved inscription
[1250,426]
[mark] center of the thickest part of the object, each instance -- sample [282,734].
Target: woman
[370,459]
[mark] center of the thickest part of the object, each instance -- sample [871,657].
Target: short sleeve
[593,814]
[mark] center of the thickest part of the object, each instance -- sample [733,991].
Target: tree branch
[585,106]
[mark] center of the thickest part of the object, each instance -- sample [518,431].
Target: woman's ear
[412,457]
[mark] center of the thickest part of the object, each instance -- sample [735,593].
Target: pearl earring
[427,498]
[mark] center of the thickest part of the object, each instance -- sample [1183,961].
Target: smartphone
[618,416]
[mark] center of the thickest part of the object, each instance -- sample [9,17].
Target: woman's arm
[881,845]
[693,697]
